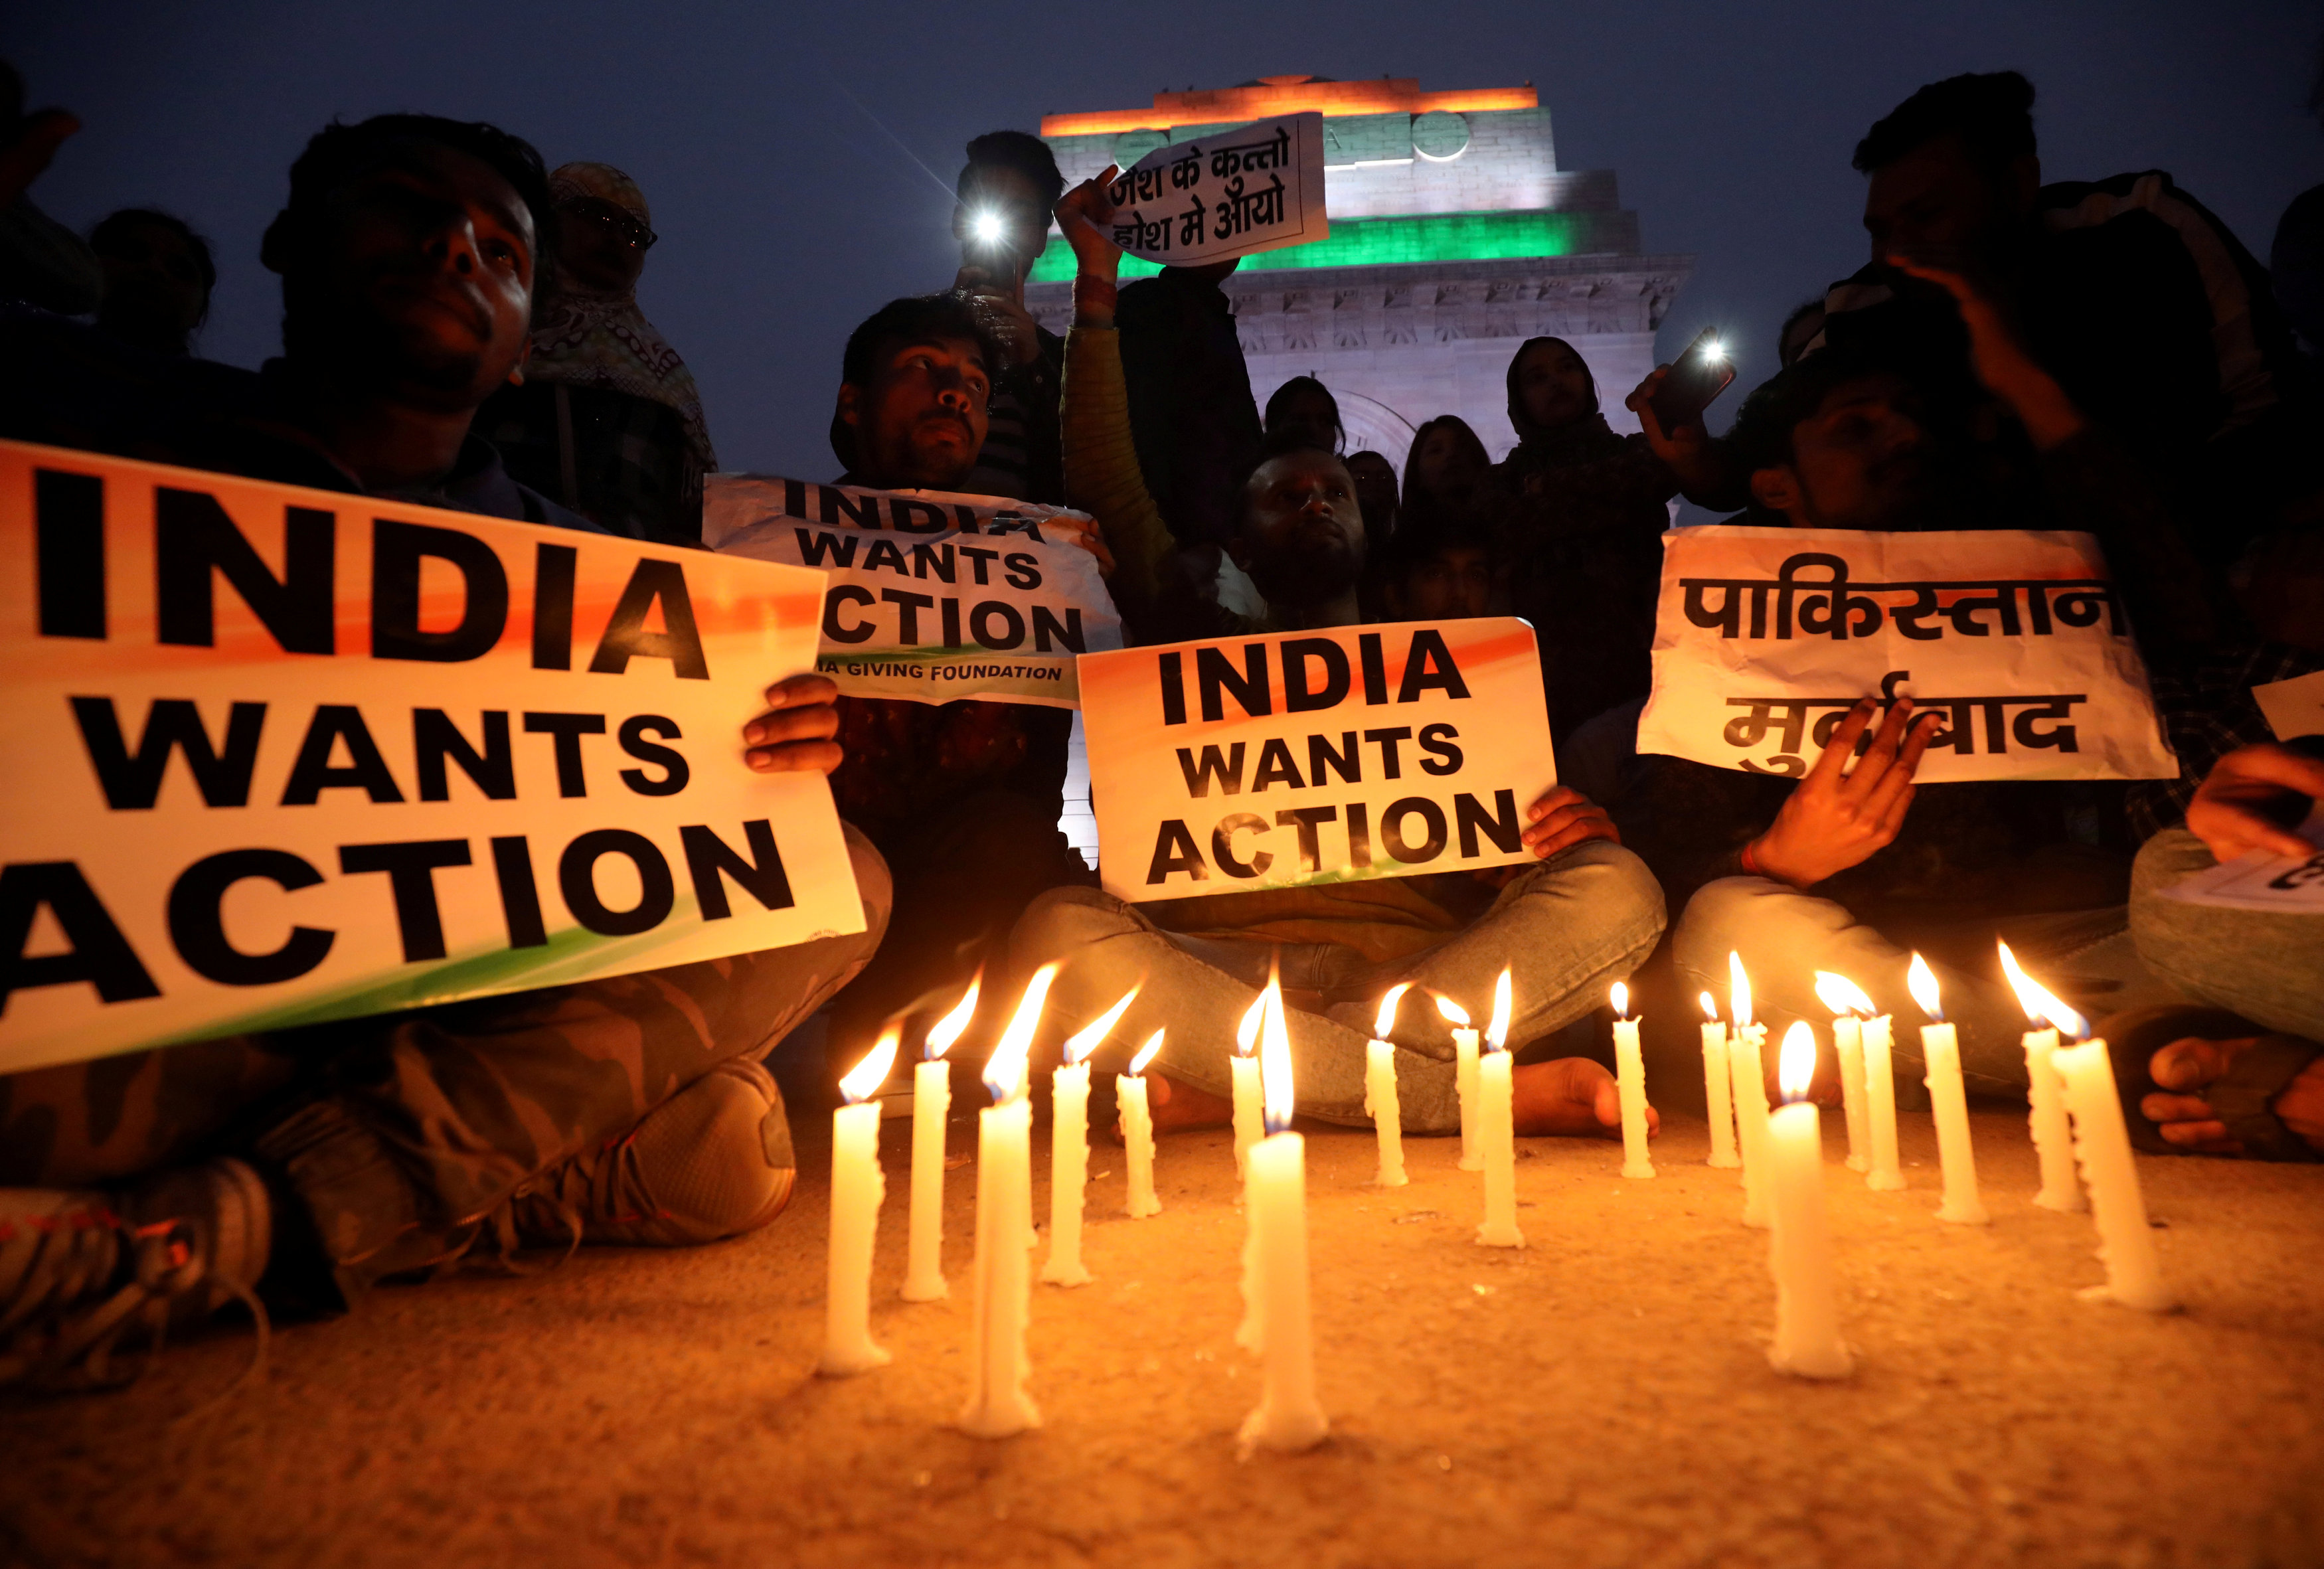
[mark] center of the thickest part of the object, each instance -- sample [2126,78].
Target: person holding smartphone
[1001,220]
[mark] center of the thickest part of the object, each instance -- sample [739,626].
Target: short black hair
[1409,548]
[113,226]
[916,318]
[1992,112]
[1761,436]
[1296,387]
[338,150]
[1022,151]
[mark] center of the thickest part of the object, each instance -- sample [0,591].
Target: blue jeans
[2269,968]
[1570,926]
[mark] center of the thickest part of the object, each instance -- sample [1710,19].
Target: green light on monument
[1466,236]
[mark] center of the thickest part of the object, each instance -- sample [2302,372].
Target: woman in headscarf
[608,420]
[1582,518]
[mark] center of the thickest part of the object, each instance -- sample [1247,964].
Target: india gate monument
[1455,238]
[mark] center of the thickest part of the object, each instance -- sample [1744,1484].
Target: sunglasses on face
[623,222]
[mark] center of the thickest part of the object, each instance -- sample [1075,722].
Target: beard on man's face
[1309,560]
[390,334]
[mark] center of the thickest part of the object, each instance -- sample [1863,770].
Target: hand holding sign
[795,734]
[2242,805]
[1834,821]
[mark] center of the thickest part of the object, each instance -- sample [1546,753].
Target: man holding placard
[316,1129]
[1362,805]
[1999,665]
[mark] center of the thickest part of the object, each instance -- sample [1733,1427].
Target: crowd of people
[461,330]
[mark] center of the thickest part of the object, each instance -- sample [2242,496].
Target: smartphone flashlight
[1714,351]
[987,227]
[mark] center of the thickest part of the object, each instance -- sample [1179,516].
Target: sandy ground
[1600,1398]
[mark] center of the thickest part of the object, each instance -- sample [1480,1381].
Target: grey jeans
[2269,968]
[1568,927]
[1785,936]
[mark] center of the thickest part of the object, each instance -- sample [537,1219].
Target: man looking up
[1586,914]
[1001,220]
[962,798]
[316,1162]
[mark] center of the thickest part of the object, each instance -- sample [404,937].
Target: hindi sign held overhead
[1310,757]
[276,756]
[1234,193]
[1764,638]
[934,596]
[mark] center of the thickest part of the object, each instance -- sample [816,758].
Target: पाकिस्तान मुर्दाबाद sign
[1766,637]
[1288,759]
[934,596]
[277,756]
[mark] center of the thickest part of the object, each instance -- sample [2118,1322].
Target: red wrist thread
[1093,292]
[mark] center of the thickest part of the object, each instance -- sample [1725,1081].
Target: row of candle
[2074,1115]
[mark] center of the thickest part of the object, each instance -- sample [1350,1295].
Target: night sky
[788,148]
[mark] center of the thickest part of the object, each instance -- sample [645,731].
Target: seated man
[1847,874]
[631,1109]
[963,799]
[2243,1072]
[1587,915]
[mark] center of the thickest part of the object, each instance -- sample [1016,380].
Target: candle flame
[2038,1001]
[1247,1032]
[947,1029]
[1146,1053]
[867,1076]
[1710,1008]
[1619,994]
[1078,1048]
[1274,1061]
[1386,1022]
[1843,995]
[1004,1070]
[1738,991]
[1451,1009]
[1922,982]
[1796,1064]
[1497,1033]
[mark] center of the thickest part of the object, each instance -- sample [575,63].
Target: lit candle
[1748,1076]
[923,1278]
[1252,1333]
[1464,1079]
[2045,1093]
[1880,1103]
[998,1405]
[1851,1006]
[2102,1145]
[1244,1067]
[1380,1100]
[1275,1198]
[1069,1149]
[1496,1131]
[1630,1082]
[857,1187]
[1807,1297]
[1948,1103]
[1718,1092]
[1138,1132]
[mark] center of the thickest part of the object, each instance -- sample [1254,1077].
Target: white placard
[2293,707]
[274,756]
[934,596]
[1764,638]
[1253,189]
[1314,757]
[2276,884]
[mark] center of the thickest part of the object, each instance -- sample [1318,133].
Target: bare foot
[1178,1107]
[1570,1096]
[2186,1066]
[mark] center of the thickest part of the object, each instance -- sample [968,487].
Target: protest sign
[934,596]
[2274,884]
[1764,638]
[1309,757]
[2293,707]
[1236,193]
[276,756]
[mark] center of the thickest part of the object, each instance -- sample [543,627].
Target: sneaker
[714,1160]
[82,1274]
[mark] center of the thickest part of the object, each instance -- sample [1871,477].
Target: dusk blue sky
[789,213]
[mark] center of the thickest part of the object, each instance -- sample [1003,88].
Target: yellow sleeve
[1102,474]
